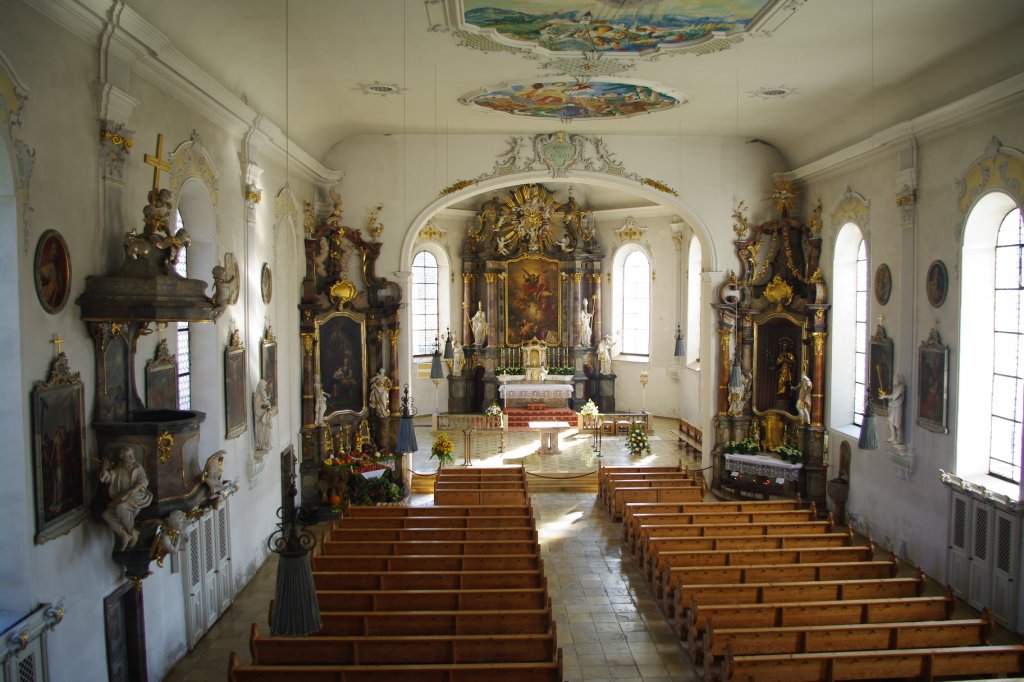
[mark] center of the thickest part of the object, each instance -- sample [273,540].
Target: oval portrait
[52,271]
[937,283]
[266,283]
[883,284]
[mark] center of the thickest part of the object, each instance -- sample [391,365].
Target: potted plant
[442,450]
[790,453]
[636,441]
[493,413]
[747,446]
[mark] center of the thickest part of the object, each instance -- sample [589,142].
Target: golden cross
[157,162]
[57,341]
[881,319]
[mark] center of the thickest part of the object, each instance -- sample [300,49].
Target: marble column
[596,306]
[492,308]
[467,295]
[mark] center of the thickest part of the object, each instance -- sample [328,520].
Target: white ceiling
[859,66]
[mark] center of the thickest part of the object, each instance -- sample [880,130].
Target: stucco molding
[999,168]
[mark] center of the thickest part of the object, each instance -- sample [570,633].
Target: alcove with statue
[772,325]
[531,302]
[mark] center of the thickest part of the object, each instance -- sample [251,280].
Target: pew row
[427,580]
[604,472]
[446,534]
[439,510]
[479,496]
[856,637]
[654,495]
[353,548]
[638,513]
[459,562]
[433,600]
[403,522]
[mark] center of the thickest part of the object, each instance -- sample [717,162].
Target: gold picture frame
[341,362]
[533,300]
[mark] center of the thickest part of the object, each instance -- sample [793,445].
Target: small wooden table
[549,436]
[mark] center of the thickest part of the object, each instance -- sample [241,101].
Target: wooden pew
[637,513]
[392,623]
[423,649]
[842,612]
[708,559]
[639,479]
[657,546]
[390,522]
[459,562]
[346,534]
[689,437]
[480,496]
[721,530]
[440,510]
[540,671]
[427,580]
[922,664]
[857,637]
[842,570]
[450,484]
[605,471]
[654,494]
[433,600]
[488,473]
[353,548]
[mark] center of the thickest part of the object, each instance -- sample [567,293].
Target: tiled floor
[609,626]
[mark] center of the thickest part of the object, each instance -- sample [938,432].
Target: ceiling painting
[573,100]
[614,27]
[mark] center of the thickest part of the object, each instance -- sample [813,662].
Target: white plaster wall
[61,122]
[911,516]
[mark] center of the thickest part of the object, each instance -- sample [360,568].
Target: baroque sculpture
[128,487]
[380,387]
[479,325]
[262,412]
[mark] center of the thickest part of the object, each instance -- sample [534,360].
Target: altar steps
[519,418]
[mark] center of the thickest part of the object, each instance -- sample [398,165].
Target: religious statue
[738,395]
[784,362]
[604,355]
[212,472]
[380,388]
[458,358]
[262,412]
[168,537]
[895,398]
[803,400]
[128,487]
[321,403]
[586,331]
[479,325]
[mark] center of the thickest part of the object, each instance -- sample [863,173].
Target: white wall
[60,121]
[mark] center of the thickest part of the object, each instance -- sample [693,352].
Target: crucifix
[57,341]
[157,162]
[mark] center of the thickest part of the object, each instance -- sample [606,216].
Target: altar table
[523,392]
[760,465]
[549,436]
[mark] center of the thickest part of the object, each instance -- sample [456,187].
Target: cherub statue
[128,487]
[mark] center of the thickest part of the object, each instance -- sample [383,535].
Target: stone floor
[609,626]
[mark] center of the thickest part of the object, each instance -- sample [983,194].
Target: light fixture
[436,372]
[680,345]
[406,433]
[449,352]
[643,383]
[867,440]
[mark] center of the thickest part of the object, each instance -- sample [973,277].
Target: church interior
[290,274]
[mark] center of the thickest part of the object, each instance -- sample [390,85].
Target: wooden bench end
[254,633]
[232,665]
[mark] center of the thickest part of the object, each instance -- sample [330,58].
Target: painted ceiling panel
[569,101]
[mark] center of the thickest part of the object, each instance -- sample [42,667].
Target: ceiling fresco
[573,100]
[621,27]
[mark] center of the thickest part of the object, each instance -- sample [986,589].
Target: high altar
[772,328]
[531,302]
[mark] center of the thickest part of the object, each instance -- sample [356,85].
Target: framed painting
[937,283]
[341,361]
[58,439]
[533,301]
[880,368]
[933,383]
[266,284]
[883,284]
[162,379]
[268,367]
[125,627]
[235,400]
[52,271]
[779,357]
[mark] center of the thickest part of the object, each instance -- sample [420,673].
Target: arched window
[992,341]
[183,335]
[424,303]
[693,291]
[850,326]
[634,303]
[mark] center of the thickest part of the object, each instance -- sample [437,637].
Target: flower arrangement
[636,441]
[493,410]
[589,409]
[357,462]
[562,371]
[789,453]
[511,369]
[747,446]
[442,450]
[370,491]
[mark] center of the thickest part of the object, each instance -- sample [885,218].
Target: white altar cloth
[520,391]
[761,465]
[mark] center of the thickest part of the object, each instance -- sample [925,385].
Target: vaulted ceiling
[807,76]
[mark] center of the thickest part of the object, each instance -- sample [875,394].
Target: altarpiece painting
[341,364]
[933,386]
[235,394]
[534,301]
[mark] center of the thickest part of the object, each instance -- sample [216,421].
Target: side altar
[772,326]
[531,302]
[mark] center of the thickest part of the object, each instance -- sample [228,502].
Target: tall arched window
[991,341]
[424,303]
[850,326]
[693,300]
[183,334]
[635,304]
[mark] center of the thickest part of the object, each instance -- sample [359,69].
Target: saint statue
[803,400]
[895,398]
[784,362]
[263,414]
[604,355]
[479,325]
[128,487]
[380,387]
[458,359]
[586,330]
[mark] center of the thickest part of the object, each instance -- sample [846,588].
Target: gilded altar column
[492,308]
[818,377]
[394,395]
[577,305]
[467,294]
[595,278]
[308,388]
